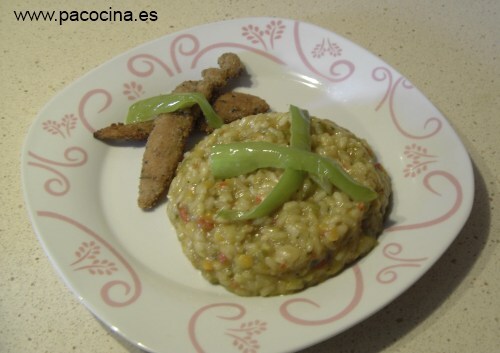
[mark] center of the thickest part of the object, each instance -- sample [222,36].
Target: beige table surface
[448,49]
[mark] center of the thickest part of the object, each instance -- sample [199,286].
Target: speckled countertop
[448,49]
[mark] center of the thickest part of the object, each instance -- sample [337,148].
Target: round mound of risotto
[309,239]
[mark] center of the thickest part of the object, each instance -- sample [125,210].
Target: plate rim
[466,207]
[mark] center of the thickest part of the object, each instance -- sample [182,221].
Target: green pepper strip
[229,160]
[147,109]
[290,181]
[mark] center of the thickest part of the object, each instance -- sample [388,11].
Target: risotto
[309,239]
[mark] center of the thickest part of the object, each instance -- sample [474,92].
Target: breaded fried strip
[230,66]
[213,80]
[163,152]
[232,106]
[125,132]
[167,134]
[166,142]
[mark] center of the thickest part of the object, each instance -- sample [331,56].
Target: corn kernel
[207,265]
[245,261]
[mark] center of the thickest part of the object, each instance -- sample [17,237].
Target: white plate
[126,265]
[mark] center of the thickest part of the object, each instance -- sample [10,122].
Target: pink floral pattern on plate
[326,46]
[393,87]
[339,70]
[286,311]
[244,336]
[87,259]
[187,45]
[419,160]
[88,250]
[75,158]
[273,31]
[133,90]
[59,185]
[62,127]
[391,251]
